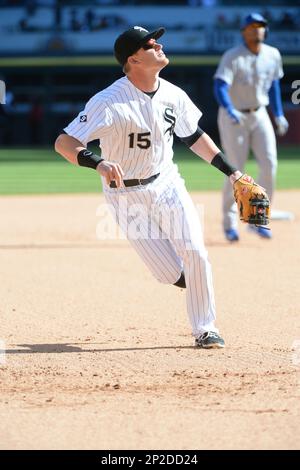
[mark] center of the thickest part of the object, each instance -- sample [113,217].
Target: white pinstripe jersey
[135,130]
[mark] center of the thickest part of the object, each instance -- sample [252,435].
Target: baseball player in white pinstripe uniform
[246,81]
[135,119]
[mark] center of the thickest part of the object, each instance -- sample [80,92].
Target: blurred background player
[246,81]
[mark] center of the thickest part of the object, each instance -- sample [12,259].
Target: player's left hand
[236,117]
[237,175]
[252,201]
[282,125]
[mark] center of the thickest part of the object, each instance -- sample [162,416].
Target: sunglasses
[146,47]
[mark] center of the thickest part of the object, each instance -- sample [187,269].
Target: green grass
[207,177]
[42,171]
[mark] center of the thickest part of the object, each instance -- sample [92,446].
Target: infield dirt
[99,355]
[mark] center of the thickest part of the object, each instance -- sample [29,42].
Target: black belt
[249,110]
[135,182]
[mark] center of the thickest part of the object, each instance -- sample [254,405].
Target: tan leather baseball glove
[252,200]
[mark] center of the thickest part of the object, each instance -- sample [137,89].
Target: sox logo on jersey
[170,118]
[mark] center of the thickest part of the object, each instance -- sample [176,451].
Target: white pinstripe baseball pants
[161,223]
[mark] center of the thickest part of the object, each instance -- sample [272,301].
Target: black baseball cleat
[209,340]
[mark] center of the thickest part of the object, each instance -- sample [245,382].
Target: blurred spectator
[287,21]
[48,3]
[57,44]
[297,19]
[111,21]
[108,2]
[57,16]
[236,21]
[31,6]
[23,24]
[36,116]
[221,21]
[269,17]
[74,22]
[202,3]
[102,23]
[89,19]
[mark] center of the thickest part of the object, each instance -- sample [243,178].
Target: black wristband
[88,159]
[220,162]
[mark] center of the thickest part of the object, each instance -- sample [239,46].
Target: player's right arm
[223,80]
[68,147]
[205,148]
[94,122]
[75,152]
[222,96]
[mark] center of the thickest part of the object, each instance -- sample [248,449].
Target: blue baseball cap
[254,18]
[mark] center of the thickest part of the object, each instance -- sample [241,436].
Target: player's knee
[274,166]
[269,167]
[181,282]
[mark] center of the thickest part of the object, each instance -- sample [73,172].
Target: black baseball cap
[132,40]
